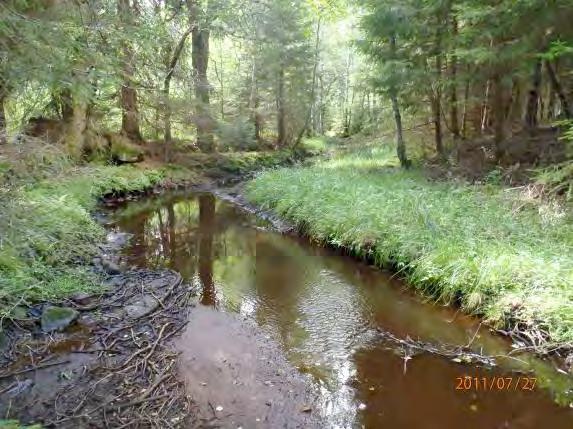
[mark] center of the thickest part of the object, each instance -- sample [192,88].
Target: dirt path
[239,378]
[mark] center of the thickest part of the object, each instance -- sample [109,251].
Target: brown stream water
[326,313]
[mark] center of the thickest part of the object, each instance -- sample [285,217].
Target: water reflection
[324,310]
[206,232]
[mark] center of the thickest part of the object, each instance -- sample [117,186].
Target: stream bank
[496,252]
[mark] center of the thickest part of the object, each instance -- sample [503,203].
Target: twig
[137,402]
[41,366]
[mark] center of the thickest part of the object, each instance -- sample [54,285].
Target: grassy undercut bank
[48,232]
[498,252]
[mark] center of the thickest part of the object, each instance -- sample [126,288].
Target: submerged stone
[58,318]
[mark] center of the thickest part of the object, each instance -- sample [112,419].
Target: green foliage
[237,136]
[14,424]
[493,250]
[50,232]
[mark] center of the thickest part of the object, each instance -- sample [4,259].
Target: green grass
[14,424]
[48,231]
[495,251]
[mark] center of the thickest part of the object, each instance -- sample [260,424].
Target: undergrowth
[495,251]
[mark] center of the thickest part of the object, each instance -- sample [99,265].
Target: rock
[58,318]
[142,307]
[110,268]
[81,298]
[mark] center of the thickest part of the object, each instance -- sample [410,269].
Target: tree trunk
[531,114]
[550,112]
[498,112]
[556,85]
[200,61]
[254,102]
[167,138]
[437,119]
[465,108]
[437,107]
[76,127]
[453,87]
[130,114]
[485,109]
[400,145]
[3,128]
[281,110]
[313,88]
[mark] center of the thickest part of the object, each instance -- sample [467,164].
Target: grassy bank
[48,231]
[496,251]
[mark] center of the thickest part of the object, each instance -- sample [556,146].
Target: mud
[239,378]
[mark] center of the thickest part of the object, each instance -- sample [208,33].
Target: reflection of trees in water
[206,232]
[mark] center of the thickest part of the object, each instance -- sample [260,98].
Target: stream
[351,331]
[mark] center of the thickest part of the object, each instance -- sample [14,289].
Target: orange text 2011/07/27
[495,383]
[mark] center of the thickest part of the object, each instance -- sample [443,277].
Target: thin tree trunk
[254,101]
[281,110]
[400,145]
[565,107]
[498,111]
[485,110]
[130,114]
[550,113]
[465,108]
[222,80]
[313,88]
[531,114]
[347,109]
[437,107]
[453,86]
[3,127]
[167,137]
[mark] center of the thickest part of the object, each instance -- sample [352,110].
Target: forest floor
[497,251]
[85,341]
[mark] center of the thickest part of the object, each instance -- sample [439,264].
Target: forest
[430,140]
